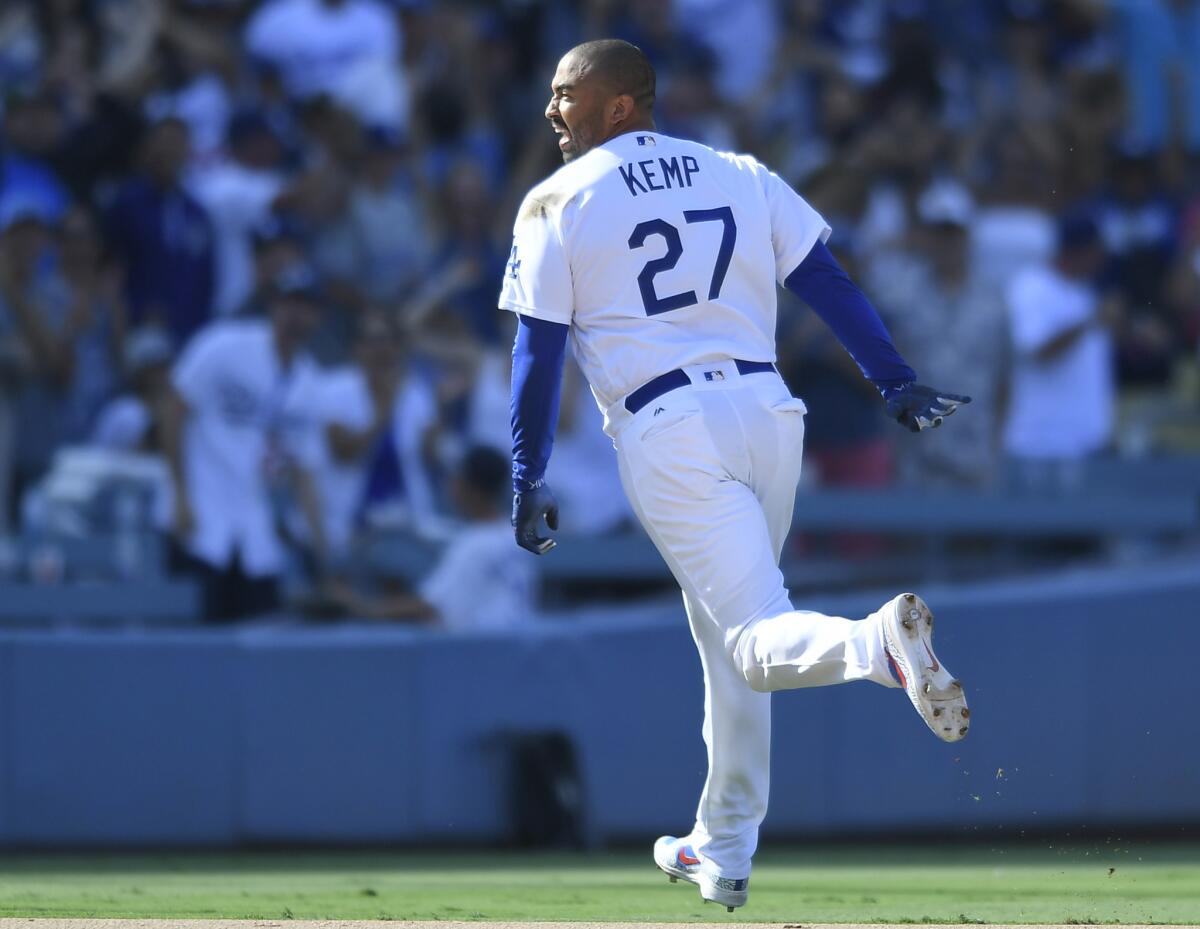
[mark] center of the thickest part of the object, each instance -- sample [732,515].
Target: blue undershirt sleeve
[538,355]
[821,283]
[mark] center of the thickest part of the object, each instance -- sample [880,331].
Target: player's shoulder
[550,198]
[738,161]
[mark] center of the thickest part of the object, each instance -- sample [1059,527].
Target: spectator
[476,584]
[232,431]
[1155,38]
[1013,227]
[60,326]
[93,330]
[132,421]
[32,363]
[1061,406]
[726,27]
[1139,224]
[348,49]
[370,427]
[277,245]
[388,219]
[32,129]
[164,239]
[238,194]
[190,83]
[952,326]
[467,212]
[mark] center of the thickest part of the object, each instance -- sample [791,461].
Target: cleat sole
[935,694]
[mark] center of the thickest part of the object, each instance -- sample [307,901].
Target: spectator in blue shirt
[164,238]
[30,129]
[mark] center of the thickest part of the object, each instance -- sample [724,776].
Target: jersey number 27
[650,299]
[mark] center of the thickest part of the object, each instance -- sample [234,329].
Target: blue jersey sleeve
[538,355]
[821,283]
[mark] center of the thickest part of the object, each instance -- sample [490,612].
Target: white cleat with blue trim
[676,858]
[936,694]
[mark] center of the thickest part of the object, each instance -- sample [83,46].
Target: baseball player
[658,258]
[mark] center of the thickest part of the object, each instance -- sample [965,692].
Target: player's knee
[745,659]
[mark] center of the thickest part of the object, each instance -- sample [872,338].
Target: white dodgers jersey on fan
[659,253]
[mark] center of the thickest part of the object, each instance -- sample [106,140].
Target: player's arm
[537,371]
[806,267]
[822,283]
[538,286]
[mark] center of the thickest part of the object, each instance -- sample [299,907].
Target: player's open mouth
[564,137]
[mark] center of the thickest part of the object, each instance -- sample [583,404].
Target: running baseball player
[658,258]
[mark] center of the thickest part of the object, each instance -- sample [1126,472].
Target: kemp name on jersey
[658,173]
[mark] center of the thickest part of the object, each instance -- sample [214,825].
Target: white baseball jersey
[660,253]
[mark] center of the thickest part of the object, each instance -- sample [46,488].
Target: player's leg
[737,736]
[689,477]
[737,719]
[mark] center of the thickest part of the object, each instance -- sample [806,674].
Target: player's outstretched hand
[917,407]
[530,507]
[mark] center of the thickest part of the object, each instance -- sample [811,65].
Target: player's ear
[622,109]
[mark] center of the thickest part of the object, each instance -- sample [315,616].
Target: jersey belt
[655,388]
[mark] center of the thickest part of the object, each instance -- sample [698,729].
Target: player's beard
[580,141]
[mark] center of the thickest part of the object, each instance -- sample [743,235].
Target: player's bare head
[600,89]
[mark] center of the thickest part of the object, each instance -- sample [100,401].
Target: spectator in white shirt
[129,422]
[231,433]
[476,584]
[369,425]
[1062,394]
[348,49]
[238,193]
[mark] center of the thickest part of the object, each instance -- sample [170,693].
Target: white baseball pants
[711,471]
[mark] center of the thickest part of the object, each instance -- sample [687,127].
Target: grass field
[1040,882]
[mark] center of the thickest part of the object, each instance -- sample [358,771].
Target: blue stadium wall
[1084,699]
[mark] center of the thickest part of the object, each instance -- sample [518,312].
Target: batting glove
[917,407]
[530,507]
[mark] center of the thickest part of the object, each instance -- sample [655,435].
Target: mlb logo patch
[714,375]
[646,140]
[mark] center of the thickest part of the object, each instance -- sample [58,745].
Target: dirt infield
[481,924]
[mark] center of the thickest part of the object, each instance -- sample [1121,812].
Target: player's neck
[645,124]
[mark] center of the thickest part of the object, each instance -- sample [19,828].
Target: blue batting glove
[530,507]
[917,407]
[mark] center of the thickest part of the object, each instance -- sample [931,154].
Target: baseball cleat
[937,695]
[677,860]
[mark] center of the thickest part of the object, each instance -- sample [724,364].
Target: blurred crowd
[263,241]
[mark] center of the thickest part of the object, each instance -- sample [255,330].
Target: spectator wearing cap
[1061,400]
[233,428]
[239,193]
[1140,227]
[164,239]
[277,245]
[951,322]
